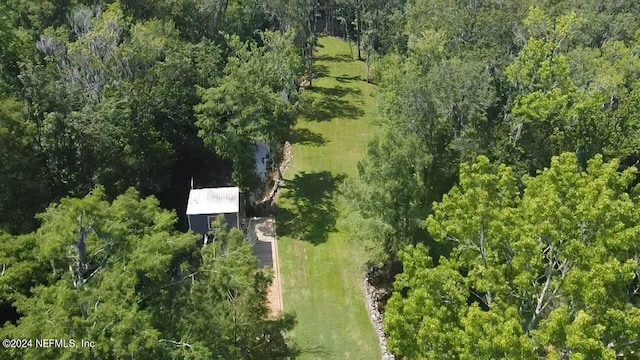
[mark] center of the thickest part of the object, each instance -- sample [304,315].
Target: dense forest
[504,181]
[107,111]
[500,196]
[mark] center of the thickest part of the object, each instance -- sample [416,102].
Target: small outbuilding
[205,205]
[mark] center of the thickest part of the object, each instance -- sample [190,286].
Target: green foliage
[298,16]
[224,304]
[21,24]
[90,132]
[380,23]
[552,113]
[548,271]
[21,189]
[119,275]
[254,101]
[199,20]
[380,207]
[434,111]
[112,101]
[120,94]
[521,96]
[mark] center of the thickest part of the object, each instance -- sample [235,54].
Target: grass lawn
[321,269]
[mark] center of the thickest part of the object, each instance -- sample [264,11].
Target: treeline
[97,94]
[136,93]
[118,274]
[106,107]
[504,178]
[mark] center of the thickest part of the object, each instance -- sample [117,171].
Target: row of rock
[278,182]
[286,157]
[373,297]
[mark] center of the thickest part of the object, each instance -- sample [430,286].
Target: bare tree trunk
[222,9]
[82,254]
[359,22]
[311,74]
[83,264]
[311,28]
[331,18]
[327,17]
[368,62]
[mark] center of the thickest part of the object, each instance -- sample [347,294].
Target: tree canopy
[255,101]
[502,176]
[115,94]
[118,274]
[104,104]
[446,100]
[550,271]
[530,250]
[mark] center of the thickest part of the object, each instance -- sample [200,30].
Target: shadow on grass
[305,136]
[348,79]
[312,215]
[320,71]
[334,58]
[326,106]
[317,350]
[337,91]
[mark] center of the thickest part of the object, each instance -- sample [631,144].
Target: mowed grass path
[322,271]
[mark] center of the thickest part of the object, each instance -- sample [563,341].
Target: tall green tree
[93,270]
[532,92]
[22,187]
[100,102]
[199,20]
[380,206]
[299,17]
[22,23]
[256,100]
[119,274]
[434,116]
[378,24]
[551,271]
[553,113]
[228,301]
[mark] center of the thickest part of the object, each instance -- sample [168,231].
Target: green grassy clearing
[321,269]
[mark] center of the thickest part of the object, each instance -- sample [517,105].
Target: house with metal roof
[205,205]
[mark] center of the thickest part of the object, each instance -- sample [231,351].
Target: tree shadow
[347,79]
[313,214]
[305,136]
[317,350]
[320,71]
[327,107]
[334,58]
[338,91]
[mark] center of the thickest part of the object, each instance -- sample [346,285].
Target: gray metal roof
[214,201]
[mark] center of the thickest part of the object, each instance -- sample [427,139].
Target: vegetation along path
[322,270]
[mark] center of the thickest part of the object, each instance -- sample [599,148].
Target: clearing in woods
[322,271]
